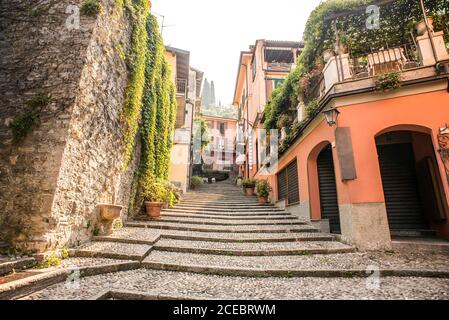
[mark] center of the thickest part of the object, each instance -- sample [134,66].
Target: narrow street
[219,244]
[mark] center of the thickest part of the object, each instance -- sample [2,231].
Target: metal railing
[375,62]
[279,66]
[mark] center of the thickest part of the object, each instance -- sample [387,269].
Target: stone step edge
[151,295]
[223,214]
[320,273]
[209,209]
[305,230]
[23,287]
[230,217]
[225,206]
[8,267]
[246,240]
[82,253]
[124,240]
[253,253]
[228,224]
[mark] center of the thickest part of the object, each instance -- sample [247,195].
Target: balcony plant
[196,182]
[263,191]
[248,186]
[154,194]
[388,81]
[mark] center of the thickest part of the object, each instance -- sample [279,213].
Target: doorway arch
[412,185]
[323,187]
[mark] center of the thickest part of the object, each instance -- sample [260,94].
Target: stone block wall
[52,181]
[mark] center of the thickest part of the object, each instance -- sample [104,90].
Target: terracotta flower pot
[249,191]
[263,200]
[154,209]
[421,26]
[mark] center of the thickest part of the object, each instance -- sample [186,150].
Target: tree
[206,94]
[212,94]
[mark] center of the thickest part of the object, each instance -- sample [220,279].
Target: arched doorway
[412,185]
[328,189]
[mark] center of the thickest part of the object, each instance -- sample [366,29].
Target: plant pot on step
[153,209]
[249,191]
[263,200]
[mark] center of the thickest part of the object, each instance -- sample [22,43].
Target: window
[222,128]
[212,154]
[288,183]
[278,82]
[223,156]
[254,68]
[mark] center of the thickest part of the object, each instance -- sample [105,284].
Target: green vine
[25,122]
[91,8]
[388,81]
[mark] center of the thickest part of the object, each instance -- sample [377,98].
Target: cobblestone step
[245,237]
[236,216]
[8,265]
[227,214]
[225,223]
[212,209]
[346,265]
[112,250]
[132,235]
[225,229]
[253,249]
[224,206]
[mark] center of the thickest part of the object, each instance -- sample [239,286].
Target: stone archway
[322,186]
[411,180]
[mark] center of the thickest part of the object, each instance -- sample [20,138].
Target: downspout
[429,31]
[188,101]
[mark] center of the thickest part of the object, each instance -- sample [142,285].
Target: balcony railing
[279,66]
[181,86]
[380,61]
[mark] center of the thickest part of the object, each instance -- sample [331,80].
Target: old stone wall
[52,181]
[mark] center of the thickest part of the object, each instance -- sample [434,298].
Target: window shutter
[288,184]
[181,113]
[293,183]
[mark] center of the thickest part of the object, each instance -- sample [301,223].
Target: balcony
[416,60]
[181,86]
[279,66]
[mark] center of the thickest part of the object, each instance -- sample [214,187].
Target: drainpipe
[188,101]
[429,31]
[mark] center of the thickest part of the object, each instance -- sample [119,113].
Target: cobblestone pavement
[201,237]
[207,286]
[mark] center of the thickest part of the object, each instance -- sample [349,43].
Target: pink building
[221,151]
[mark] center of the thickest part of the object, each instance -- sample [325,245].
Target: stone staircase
[209,229]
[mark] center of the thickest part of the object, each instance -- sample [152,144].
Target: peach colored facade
[380,171]
[260,71]
[221,151]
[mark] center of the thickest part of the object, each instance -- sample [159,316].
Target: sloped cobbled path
[219,244]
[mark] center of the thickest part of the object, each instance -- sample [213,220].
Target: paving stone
[221,287]
[113,250]
[132,235]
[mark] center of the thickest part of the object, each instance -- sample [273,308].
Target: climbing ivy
[139,11]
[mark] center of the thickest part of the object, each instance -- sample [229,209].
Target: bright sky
[215,31]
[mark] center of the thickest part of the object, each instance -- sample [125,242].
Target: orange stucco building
[382,169]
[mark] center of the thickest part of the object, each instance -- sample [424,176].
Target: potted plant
[248,186]
[239,181]
[421,26]
[154,195]
[263,191]
[328,54]
[196,182]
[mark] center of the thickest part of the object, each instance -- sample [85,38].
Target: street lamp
[331,116]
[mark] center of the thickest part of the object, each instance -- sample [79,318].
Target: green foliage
[91,7]
[202,132]
[25,122]
[248,184]
[262,188]
[388,81]
[311,108]
[154,191]
[196,181]
[136,82]
[51,261]
[64,253]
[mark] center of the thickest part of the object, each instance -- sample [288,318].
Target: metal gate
[328,189]
[401,190]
